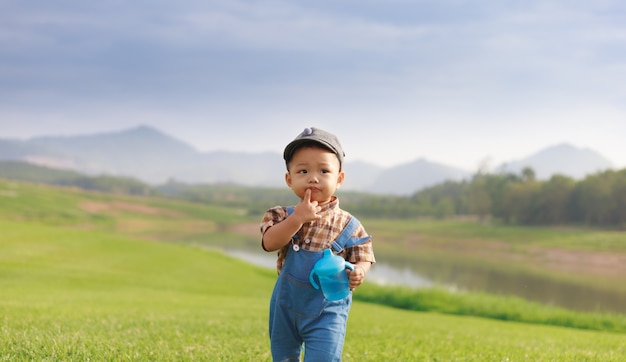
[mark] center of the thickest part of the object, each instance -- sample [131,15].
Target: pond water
[569,294]
[450,275]
[381,274]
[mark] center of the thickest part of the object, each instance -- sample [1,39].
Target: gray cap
[312,134]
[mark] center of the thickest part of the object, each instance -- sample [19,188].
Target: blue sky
[458,82]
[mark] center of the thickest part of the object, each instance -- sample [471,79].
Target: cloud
[450,70]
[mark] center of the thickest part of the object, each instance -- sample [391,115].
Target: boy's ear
[288,179]
[342,176]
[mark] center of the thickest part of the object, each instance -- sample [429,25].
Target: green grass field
[78,285]
[75,295]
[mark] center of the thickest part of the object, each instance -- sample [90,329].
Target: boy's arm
[280,234]
[362,256]
[357,276]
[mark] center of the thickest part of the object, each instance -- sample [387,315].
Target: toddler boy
[299,313]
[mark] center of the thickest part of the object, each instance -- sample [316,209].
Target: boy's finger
[307,195]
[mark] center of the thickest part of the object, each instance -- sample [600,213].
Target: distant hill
[563,159]
[147,154]
[142,152]
[359,176]
[413,176]
[23,171]
[151,156]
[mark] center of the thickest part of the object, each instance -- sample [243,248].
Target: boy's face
[314,168]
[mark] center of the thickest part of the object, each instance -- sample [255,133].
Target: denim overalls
[300,314]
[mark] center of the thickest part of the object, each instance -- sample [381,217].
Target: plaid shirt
[319,234]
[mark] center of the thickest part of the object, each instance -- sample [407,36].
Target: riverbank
[575,268]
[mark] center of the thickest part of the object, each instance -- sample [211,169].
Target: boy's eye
[302,171]
[325,171]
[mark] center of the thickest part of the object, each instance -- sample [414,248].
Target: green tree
[592,200]
[554,200]
[519,202]
[479,199]
[528,174]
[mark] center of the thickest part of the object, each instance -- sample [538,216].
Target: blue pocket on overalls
[300,297]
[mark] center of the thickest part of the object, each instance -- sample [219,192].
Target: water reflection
[382,274]
[452,275]
[568,294]
[263,259]
[386,275]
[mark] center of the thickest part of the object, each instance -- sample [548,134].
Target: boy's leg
[324,336]
[285,343]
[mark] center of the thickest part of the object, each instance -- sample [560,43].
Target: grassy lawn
[83,295]
[381,334]
[77,295]
[90,276]
[522,238]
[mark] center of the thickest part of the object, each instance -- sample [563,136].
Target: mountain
[151,156]
[563,159]
[15,150]
[142,152]
[359,176]
[147,154]
[410,177]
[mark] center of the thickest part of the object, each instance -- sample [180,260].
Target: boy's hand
[307,210]
[356,276]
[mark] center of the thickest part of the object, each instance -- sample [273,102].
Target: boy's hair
[314,137]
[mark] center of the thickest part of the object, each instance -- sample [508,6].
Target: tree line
[17,170]
[597,200]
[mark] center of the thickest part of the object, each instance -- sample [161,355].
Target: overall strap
[344,240]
